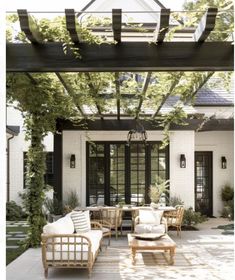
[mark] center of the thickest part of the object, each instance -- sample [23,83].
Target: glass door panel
[117,173]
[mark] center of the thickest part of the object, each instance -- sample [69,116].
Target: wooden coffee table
[164,243]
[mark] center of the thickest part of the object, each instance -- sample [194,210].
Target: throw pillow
[80,221]
[150,217]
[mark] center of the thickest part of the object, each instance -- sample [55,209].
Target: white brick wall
[182,179]
[221,144]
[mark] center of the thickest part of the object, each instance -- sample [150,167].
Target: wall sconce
[72,161]
[182,161]
[223,162]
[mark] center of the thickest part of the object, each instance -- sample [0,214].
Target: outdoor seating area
[198,254]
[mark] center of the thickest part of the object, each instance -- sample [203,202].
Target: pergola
[189,51]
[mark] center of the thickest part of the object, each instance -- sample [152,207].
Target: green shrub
[227,193]
[175,200]
[192,218]
[53,206]
[228,210]
[14,212]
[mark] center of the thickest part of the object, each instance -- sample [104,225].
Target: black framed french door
[117,172]
[203,183]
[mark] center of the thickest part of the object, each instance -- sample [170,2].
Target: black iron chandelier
[137,134]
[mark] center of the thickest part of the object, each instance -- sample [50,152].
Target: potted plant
[54,209]
[157,190]
[71,202]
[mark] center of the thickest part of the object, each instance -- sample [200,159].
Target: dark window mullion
[107,174]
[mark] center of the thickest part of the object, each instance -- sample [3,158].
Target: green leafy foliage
[159,188]
[227,193]
[14,212]
[175,200]
[192,218]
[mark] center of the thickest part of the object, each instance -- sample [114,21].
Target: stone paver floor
[204,254]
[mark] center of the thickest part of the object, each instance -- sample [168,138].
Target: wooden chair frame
[175,218]
[115,222]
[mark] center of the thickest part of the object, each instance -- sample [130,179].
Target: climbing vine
[42,98]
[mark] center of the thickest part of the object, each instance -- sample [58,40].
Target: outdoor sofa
[62,247]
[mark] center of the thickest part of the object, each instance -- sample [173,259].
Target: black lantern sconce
[182,161]
[223,162]
[72,161]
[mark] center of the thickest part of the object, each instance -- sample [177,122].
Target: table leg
[172,253]
[133,253]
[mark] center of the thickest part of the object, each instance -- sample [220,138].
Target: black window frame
[127,183]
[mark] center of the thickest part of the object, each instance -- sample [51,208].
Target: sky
[60,5]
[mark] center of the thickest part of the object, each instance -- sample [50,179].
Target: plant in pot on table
[158,191]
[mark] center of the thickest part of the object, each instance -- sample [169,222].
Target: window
[49,175]
[119,173]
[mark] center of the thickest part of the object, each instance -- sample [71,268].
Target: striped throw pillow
[80,221]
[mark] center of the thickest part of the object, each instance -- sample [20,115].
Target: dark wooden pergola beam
[206,25]
[94,94]
[127,56]
[143,93]
[162,25]
[29,27]
[69,91]
[71,25]
[117,85]
[117,24]
[176,81]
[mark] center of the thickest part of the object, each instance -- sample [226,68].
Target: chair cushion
[81,221]
[150,217]
[150,228]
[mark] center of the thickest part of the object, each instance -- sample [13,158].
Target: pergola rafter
[117,24]
[94,93]
[143,93]
[206,25]
[71,25]
[70,92]
[165,97]
[29,27]
[162,25]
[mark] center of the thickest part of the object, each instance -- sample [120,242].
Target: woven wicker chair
[113,216]
[105,226]
[175,218]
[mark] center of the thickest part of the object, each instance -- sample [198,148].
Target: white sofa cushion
[80,221]
[73,251]
[150,228]
[150,217]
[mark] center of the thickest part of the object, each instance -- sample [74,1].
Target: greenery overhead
[42,99]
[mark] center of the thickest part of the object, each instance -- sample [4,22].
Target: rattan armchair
[175,218]
[113,216]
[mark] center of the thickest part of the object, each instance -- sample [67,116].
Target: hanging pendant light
[137,134]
